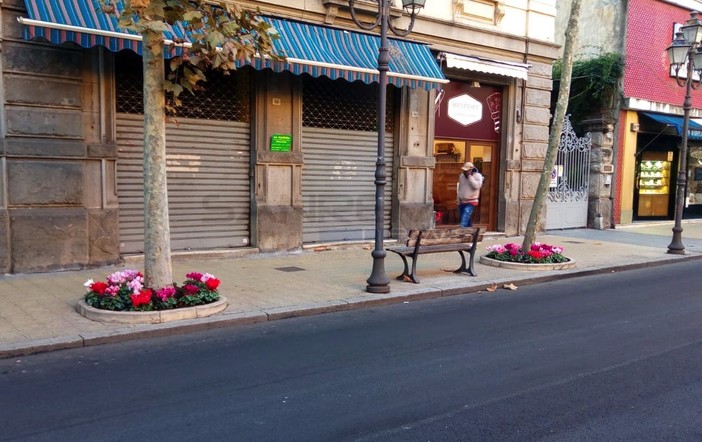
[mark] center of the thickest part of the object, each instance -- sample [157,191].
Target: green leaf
[192,15]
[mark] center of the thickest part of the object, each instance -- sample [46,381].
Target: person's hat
[468,166]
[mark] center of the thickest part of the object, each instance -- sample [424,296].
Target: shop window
[225,97]
[338,104]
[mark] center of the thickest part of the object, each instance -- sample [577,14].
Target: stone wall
[527,163]
[58,209]
[278,179]
[599,213]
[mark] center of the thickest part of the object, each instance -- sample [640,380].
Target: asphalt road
[609,357]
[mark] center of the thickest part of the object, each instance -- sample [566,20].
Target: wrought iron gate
[567,202]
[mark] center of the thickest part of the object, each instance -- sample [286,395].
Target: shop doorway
[450,156]
[693,202]
[468,122]
[654,192]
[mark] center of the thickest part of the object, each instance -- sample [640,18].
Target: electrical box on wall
[607,168]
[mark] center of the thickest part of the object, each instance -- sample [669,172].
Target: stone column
[277,220]
[414,201]
[599,212]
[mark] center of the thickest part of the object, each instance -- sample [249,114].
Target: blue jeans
[466,211]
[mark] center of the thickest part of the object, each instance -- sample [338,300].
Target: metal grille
[129,83]
[567,202]
[572,174]
[338,104]
[225,97]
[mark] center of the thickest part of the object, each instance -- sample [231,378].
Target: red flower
[536,254]
[98,287]
[195,276]
[212,284]
[141,298]
[191,289]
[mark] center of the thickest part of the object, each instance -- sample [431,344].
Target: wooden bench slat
[462,239]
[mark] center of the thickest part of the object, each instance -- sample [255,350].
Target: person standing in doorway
[469,183]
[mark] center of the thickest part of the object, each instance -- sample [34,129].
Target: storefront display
[654,185]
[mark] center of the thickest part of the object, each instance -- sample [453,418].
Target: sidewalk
[38,311]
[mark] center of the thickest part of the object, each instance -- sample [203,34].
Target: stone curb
[155,317]
[225,319]
[530,267]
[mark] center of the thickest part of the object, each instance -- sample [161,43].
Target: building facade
[275,156]
[647,121]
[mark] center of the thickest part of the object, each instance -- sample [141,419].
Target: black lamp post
[685,50]
[378,282]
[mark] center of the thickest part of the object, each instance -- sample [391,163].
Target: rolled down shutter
[338,184]
[208,183]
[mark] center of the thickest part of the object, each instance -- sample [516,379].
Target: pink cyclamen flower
[497,248]
[191,289]
[112,290]
[165,293]
[135,285]
[195,276]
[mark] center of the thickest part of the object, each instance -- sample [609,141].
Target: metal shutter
[338,184]
[208,183]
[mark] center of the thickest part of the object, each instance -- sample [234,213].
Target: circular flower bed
[539,257]
[125,291]
[537,254]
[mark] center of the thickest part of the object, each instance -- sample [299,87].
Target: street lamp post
[685,50]
[378,282]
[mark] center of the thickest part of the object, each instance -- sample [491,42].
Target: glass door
[654,185]
[450,156]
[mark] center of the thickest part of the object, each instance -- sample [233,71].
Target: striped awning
[309,48]
[337,53]
[486,66]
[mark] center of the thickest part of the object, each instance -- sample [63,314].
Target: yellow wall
[627,167]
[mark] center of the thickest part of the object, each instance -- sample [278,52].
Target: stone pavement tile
[39,308]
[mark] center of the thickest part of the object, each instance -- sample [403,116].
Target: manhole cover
[290,269]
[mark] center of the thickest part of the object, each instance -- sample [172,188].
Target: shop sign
[281,143]
[556,173]
[465,109]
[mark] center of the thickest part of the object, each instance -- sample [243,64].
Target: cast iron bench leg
[405,272]
[462,268]
[413,276]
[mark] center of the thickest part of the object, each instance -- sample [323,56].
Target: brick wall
[650,32]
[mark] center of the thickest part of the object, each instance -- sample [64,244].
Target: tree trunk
[554,138]
[158,271]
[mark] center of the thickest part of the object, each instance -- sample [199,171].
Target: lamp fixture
[378,281]
[685,50]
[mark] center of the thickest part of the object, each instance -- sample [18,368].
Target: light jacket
[469,188]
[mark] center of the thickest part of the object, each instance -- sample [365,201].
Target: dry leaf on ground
[492,288]
[510,286]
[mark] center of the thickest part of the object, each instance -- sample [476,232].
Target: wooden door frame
[492,196]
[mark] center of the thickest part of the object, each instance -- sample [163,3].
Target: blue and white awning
[694,129]
[309,48]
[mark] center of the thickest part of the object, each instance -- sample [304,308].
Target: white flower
[88,283]
[205,277]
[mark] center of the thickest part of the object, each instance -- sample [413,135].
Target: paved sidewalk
[38,311]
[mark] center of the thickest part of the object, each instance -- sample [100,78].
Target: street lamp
[685,50]
[378,282]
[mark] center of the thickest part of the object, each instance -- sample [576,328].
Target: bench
[419,242]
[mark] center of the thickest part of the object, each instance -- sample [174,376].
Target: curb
[153,317]
[570,264]
[227,319]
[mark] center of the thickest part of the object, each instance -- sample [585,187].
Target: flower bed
[537,254]
[125,291]
[539,257]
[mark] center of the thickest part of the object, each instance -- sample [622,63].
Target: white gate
[567,202]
